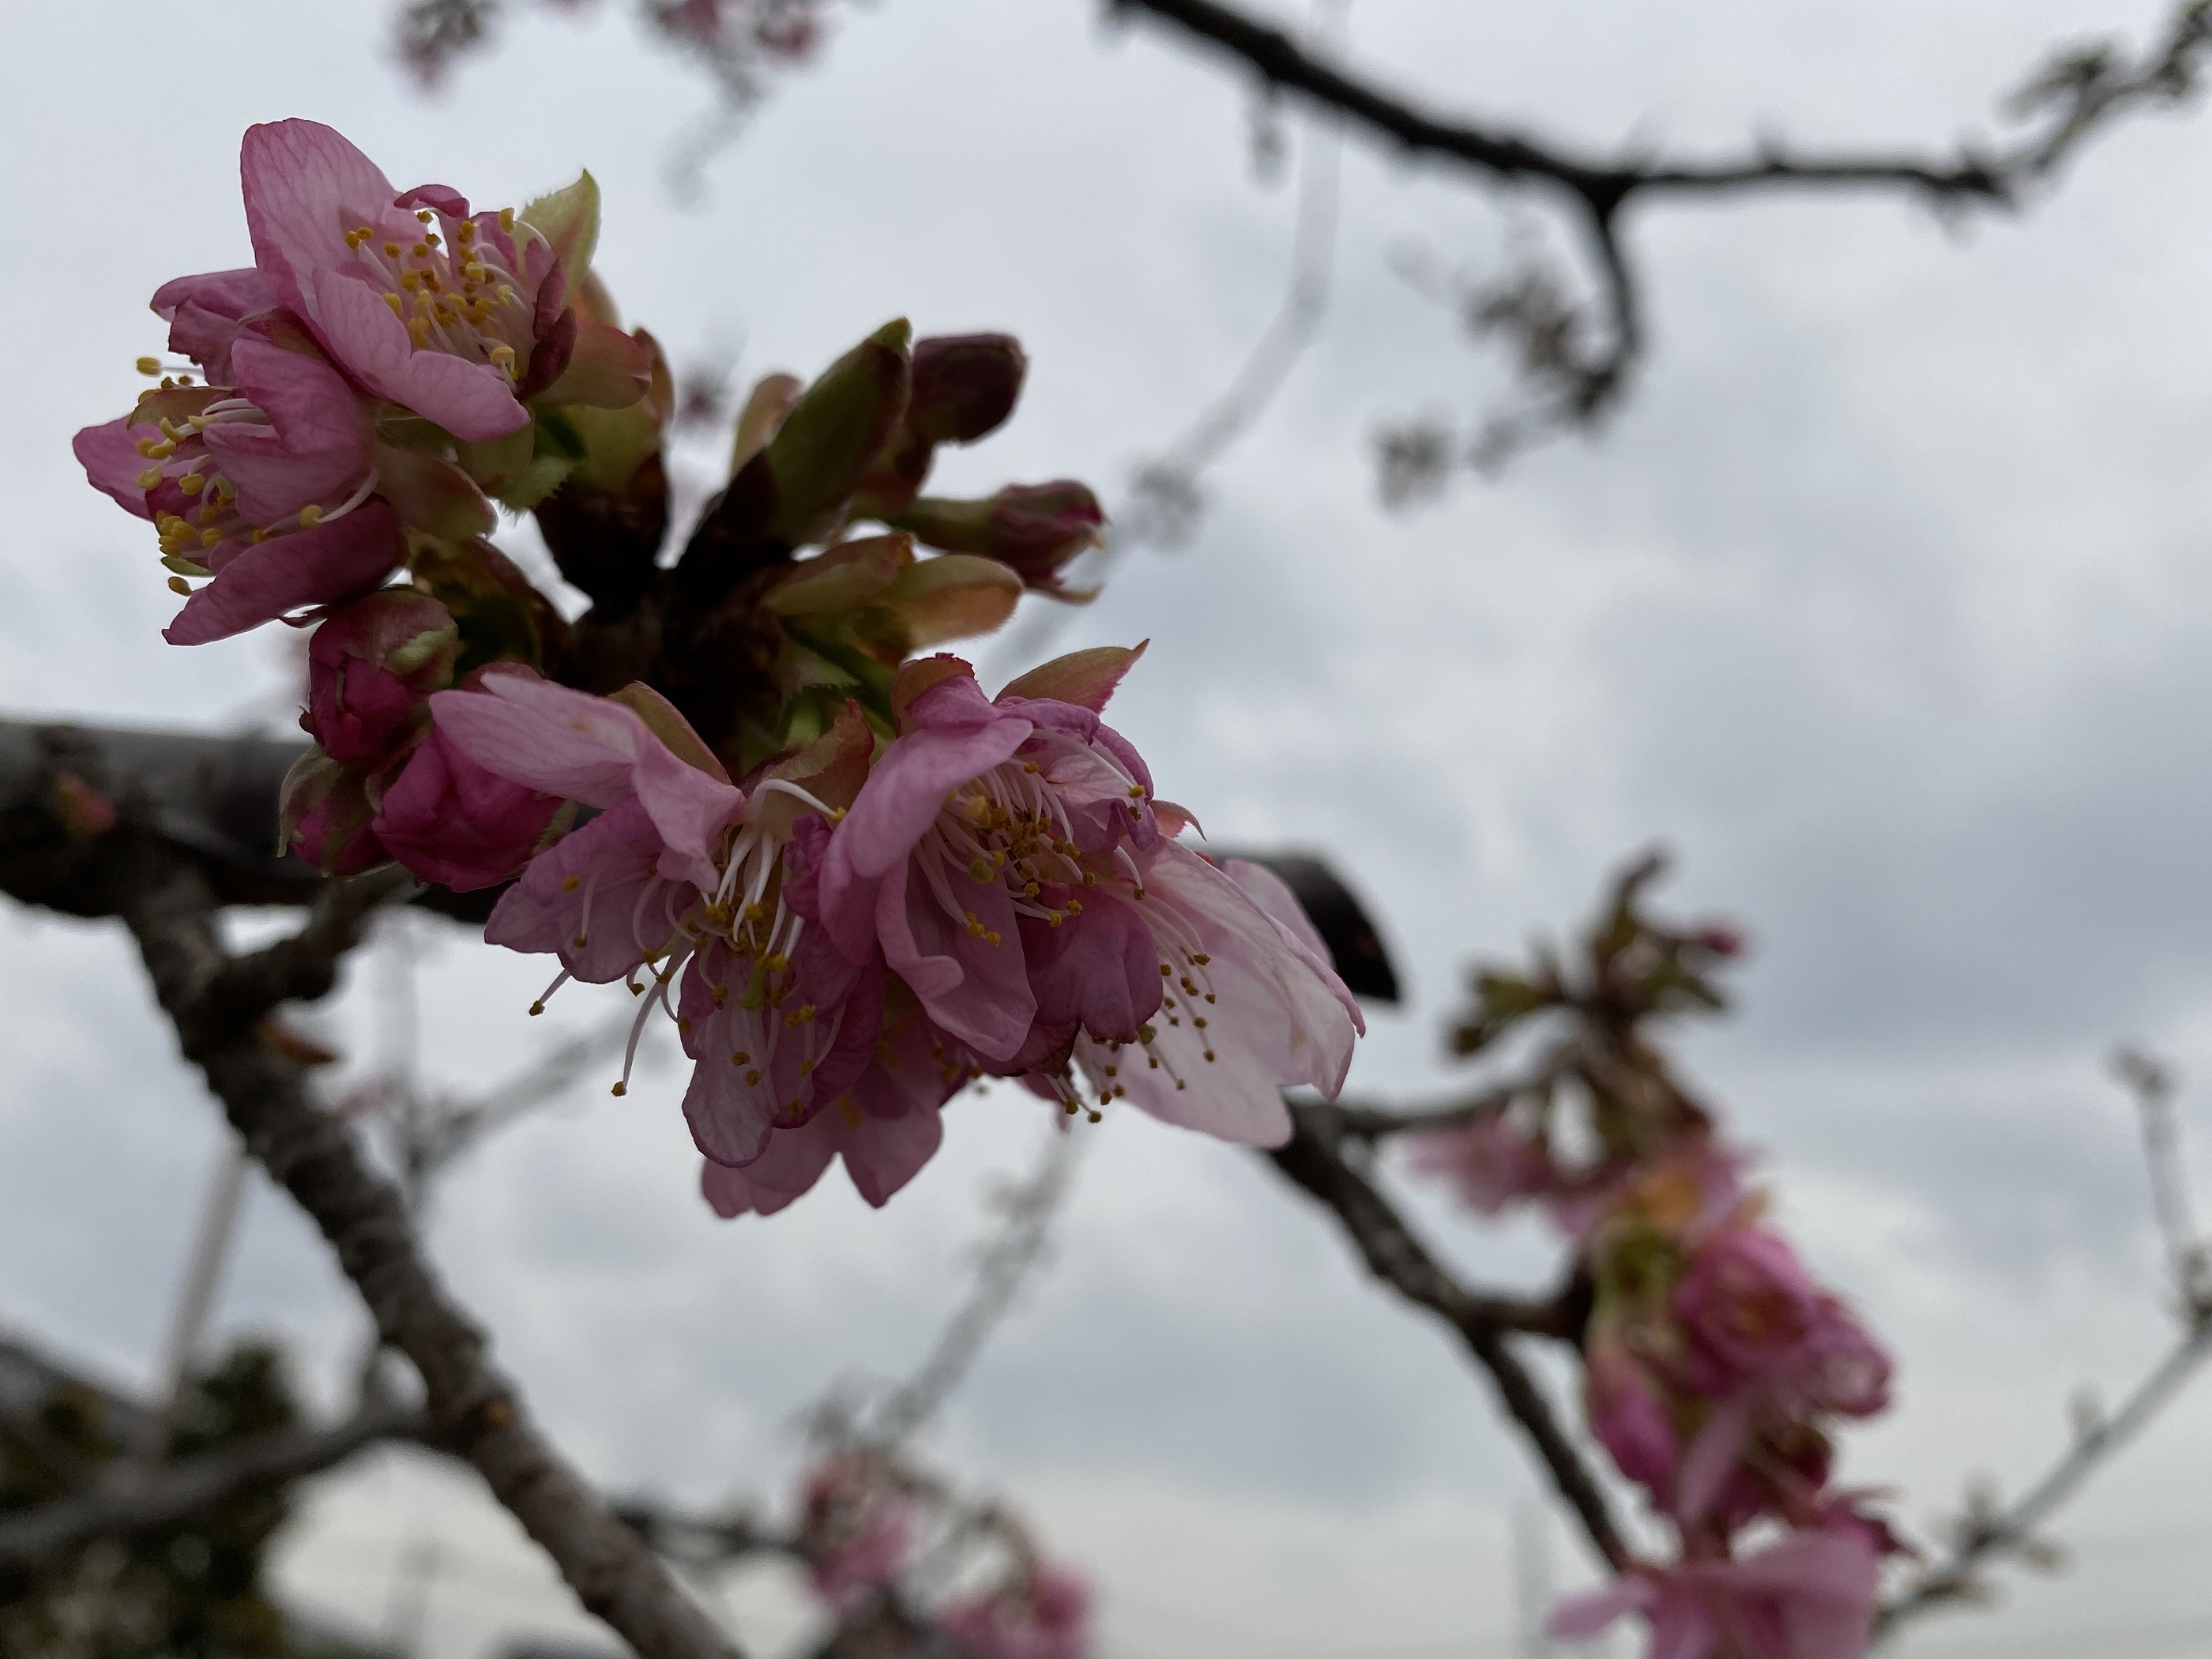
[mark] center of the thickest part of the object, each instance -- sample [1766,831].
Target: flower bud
[372,663]
[964,387]
[324,811]
[1035,529]
[450,821]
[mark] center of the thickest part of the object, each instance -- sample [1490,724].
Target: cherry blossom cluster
[1715,1366]
[738,784]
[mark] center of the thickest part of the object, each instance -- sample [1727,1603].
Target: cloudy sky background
[1885,602]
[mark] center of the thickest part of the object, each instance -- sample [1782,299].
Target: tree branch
[1314,1159]
[2073,97]
[130,1497]
[169,907]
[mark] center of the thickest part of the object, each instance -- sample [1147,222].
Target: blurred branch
[130,1497]
[1985,1532]
[1578,366]
[1314,1159]
[218,1004]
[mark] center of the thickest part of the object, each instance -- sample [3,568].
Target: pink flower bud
[325,812]
[1629,1418]
[964,386]
[371,667]
[1034,529]
[450,821]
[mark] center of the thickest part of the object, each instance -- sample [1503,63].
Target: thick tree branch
[169,906]
[129,1496]
[1314,1159]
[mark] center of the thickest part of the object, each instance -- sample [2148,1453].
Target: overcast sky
[1885,602]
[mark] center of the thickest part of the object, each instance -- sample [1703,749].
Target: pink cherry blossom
[265,486]
[1047,1615]
[682,872]
[1755,1316]
[1808,1596]
[1010,859]
[438,311]
[886,1126]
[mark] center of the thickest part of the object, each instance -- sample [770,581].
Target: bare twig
[1314,1159]
[170,910]
[1983,1537]
[1985,1532]
[130,1497]
[1581,370]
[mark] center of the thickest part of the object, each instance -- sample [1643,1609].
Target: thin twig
[1982,1538]
[2067,102]
[1984,1533]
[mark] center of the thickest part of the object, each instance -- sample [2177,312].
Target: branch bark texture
[218,1004]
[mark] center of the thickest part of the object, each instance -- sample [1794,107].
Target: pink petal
[883,1154]
[565,743]
[978,991]
[315,448]
[331,562]
[1099,969]
[1591,1613]
[612,861]
[204,314]
[1712,1457]
[109,454]
[689,808]
[900,801]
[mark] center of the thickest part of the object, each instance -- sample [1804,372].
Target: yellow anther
[420,328]
[578,942]
[502,353]
[392,250]
[421,250]
[398,306]
[572,884]
[310,516]
[741,1058]
[1136,792]
[179,585]
[752,1078]
[507,220]
[621,1089]
[149,479]
[210,538]
[634,987]
[536,1008]
[466,232]
[149,365]
[424,216]
[992,938]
